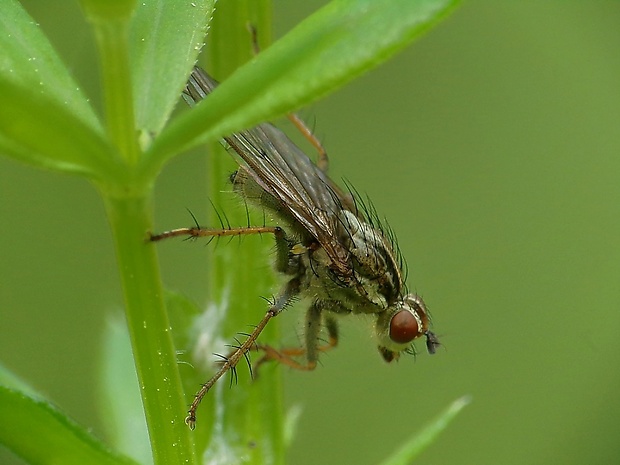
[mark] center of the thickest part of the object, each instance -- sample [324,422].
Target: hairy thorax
[374,281]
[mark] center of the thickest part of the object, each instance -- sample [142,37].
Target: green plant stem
[149,329]
[116,77]
[129,212]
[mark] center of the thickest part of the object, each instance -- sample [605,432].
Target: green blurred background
[493,147]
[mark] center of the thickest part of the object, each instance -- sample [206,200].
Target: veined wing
[286,173]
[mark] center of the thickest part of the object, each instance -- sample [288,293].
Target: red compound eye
[404,327]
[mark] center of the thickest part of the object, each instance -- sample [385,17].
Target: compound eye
[404,327]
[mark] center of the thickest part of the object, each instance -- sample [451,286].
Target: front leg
[290,291]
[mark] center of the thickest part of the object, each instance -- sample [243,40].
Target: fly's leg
[197,231]
[288,293]
[283,264]
[312,348]
[323,160]
[313,330]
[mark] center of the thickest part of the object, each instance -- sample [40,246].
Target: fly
[331,247]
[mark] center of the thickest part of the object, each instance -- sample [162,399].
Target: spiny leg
[291,289]
[322,160]
[198,231]
[302,127]
[312,348]
[287,294]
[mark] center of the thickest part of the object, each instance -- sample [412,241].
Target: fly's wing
[287,174]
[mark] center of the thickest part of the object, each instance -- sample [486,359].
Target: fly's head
[401,324]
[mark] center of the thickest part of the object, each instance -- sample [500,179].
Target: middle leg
[312,348]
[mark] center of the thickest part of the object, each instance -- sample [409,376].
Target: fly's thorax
[319,282]
[401,324]
[373,259]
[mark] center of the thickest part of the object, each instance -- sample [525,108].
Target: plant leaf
[11,380]
[328,49]
[40,434]
[38,130]
[29,59]
[165,40]
[119,403]
[420,441]
[44,118]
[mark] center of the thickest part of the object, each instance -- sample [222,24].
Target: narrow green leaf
[38,130]
[108,10]
[29,59]
[44,118]
[420,441]
[165,39]
[40,434]
[8,379]
[119,403]
[328,49]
